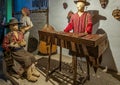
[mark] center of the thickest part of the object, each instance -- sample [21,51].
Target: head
[13,24]
[70,13]
[13,27]
[81,4]
[25,12]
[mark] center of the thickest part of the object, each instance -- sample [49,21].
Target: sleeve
[68,28]
[89,24]
[6,43]
[70,25]
[21,34]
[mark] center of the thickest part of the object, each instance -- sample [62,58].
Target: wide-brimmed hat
[12,21]
[84,1]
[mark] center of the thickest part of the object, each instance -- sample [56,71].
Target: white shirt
[26,21]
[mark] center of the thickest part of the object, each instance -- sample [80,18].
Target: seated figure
[14,42]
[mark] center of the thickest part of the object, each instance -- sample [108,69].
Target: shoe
[35,72]
[105,70]
[118,73]
[30,77]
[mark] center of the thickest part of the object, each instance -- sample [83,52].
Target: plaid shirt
[10,37]
[80,24]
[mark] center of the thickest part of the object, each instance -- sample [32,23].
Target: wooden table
[80,44]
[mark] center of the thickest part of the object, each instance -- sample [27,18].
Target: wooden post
[8,12]
[48,14]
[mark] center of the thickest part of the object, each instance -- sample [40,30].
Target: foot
[105,70]
[32,78]
[36,72]
[118,73]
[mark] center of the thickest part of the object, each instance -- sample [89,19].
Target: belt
[16,49]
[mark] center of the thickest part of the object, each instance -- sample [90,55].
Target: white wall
[57,18]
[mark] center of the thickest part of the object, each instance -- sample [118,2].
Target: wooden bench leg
[7,74]
[74,62]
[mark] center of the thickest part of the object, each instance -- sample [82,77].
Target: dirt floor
[65,76]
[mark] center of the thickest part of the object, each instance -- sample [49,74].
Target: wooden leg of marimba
[48,66]
[87,59]
[60,58]
[74,62]
[88,69]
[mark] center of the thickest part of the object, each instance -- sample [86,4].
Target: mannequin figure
[14,42]
[80,22]
[27,24]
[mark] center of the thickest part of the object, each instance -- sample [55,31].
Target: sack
[18,68]
[45,49]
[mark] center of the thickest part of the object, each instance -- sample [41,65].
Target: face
[80,6]
[14,27]
[23,12]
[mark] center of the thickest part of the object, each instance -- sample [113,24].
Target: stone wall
[39,20]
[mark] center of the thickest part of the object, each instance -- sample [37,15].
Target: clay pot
[103,3]
[116,14]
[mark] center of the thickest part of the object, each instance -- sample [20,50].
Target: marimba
[80,44]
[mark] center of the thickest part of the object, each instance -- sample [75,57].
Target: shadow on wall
[96,19]
[107,56]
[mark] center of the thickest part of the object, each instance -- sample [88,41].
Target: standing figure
[14,42]
[80,22]
[27,23]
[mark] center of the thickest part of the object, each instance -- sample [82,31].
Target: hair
[26,10]
[70,13]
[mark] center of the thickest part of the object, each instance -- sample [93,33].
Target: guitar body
[43,48]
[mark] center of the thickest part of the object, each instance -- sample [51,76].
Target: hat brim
[8,24]
[86,3]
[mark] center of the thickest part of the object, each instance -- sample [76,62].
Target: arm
[89,24]
[22,42]
[68,28]
[89,28]
[6,43]
[70,25]
[26,25]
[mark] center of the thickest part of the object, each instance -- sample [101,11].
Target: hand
[86,33]
[13,44]
[22,30]
[22,43]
